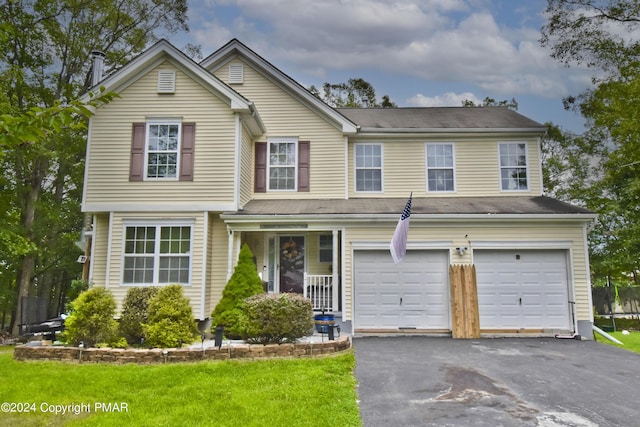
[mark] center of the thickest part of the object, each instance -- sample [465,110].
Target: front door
[291,263]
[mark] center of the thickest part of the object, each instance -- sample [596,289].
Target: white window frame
[525,167]
[147,151]
[452,168]
[326,247]
[158,225]
[356,168]
[285,140]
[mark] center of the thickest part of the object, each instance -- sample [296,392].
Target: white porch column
[230,253]
[334,271]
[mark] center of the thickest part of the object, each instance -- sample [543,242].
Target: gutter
[375,130]
[377,218]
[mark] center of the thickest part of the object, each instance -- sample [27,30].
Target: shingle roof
[440,118]
[505,205]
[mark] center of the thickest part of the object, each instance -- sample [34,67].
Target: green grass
[631,341]
[285,392]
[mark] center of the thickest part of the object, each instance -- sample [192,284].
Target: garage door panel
[412,294]
[522,289]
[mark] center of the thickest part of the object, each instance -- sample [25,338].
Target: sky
[419,52]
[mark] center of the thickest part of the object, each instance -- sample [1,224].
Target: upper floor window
[157,254]
[282,164]
[368,158]
[513,166]
[440,170]
[163,144]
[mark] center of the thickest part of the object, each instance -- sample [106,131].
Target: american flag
[399,239]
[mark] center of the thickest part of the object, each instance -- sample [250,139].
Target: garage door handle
[400,300]
[520,301]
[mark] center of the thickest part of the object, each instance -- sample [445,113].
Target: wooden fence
[464,302]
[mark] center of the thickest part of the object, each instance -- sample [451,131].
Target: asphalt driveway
[431,381]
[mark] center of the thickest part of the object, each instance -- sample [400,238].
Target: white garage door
[413,294]
[525,289]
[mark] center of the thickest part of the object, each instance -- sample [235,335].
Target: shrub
[170,319]
[91,319]
[135,313]
[244,283]
[276,318]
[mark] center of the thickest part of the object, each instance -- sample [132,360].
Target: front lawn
[291,392]
[631,341]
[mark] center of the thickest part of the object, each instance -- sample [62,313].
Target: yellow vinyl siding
[111,129]
[98,258]
[218,253]
[246,169]
[477,171]
[518,233]
[285,116]
[193,291]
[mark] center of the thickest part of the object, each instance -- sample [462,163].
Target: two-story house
[195,159]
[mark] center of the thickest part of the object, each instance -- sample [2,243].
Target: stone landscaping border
[173,355]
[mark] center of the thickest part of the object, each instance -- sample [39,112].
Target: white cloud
[448,99]
[435,40]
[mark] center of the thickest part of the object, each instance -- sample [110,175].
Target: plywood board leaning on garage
[464,301]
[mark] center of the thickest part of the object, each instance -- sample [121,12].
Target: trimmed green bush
[135,312]
[91,320]
[170,320]
[244,283]
[276,318]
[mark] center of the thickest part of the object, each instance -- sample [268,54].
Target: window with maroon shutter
[162,150]
[138,140]
[187,151]
[303,166]
[275,166]
[261,168]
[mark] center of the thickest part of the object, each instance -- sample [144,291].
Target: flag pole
[398,246]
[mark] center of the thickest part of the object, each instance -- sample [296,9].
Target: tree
[594,33]
[243,283]
[491,102]
[356,92]
[44,51]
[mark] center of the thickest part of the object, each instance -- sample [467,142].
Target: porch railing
[320,290]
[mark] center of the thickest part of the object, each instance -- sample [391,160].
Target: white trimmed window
[157,254]
[368,167]
[163,150]
[440,168]
[325,248]
[513,166]
[282,164]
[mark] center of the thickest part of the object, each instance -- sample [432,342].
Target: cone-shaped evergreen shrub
[244,283]
[91,319]
[171,319]
[135,312]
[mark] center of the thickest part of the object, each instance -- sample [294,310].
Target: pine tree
[244,283]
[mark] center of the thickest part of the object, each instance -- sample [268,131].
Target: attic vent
[166,81]
[236,73]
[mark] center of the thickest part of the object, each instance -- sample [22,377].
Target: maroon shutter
[136,168]
[187,151]
[261,168]
[303,166]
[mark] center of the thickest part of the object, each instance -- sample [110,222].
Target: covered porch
[295,260]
